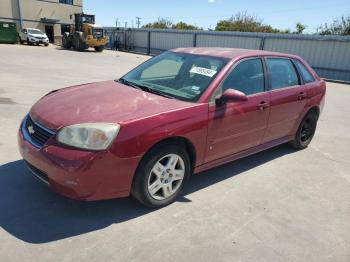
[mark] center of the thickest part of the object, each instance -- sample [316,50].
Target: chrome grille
[37,133]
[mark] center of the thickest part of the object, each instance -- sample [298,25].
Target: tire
[99,48]
[306,131]
[28,42]
[78,43]
[66,41]
[46,44]
[157,182]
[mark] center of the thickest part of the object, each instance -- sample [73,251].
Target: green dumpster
[8,32]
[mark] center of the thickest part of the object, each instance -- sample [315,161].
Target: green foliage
[243,22]
[185,26]
[162,23]
[165,23]
[299,28]
[337,27]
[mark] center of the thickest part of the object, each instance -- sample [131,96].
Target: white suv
[33,36]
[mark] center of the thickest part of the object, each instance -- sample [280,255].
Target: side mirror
[231,95]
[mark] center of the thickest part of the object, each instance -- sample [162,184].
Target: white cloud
[211,1]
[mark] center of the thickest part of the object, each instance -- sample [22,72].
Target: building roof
[227,52]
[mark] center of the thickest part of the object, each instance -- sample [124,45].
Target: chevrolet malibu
[182,112]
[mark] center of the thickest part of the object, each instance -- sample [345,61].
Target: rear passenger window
[282,72]
[247,77]
[305,73]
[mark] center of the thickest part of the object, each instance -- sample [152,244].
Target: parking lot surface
[278,205]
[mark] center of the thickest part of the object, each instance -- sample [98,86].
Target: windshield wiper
[126,82]
[144,88]
[160,93]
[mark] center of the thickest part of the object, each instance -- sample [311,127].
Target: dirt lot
[279,205]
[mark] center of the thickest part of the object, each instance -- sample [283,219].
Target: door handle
[263,105]
[301,96]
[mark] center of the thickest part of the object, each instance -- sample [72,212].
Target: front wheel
[161,175]
[306,131]
[99,48]
[28,42]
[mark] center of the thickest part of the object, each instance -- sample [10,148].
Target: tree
[299,28]
[166,23]
[162,23]
[185,26]
[339,26]
[243,22]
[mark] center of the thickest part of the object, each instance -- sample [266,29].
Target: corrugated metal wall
[328,55]
[205,40]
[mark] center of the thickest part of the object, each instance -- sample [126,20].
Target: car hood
[37,35]
[109,101]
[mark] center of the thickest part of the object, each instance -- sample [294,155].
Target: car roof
[230,53]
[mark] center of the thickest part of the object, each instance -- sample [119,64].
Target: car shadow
[33,213]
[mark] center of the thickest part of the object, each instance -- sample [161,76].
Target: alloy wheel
[166,177]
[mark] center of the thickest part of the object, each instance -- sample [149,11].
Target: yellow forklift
[84,34]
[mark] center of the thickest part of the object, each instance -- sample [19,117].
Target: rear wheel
[99,48]
[306,131]
[161,175]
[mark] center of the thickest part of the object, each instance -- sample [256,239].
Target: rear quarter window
[305,73]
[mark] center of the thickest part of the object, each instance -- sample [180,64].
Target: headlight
[92,136]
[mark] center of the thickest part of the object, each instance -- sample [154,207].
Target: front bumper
[78,174]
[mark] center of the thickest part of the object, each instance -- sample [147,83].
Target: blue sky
[281,14]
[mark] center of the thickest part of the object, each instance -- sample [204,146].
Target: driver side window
[247,77]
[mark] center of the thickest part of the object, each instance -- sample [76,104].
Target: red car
[182,112]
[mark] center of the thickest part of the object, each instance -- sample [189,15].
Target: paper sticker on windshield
[203,71]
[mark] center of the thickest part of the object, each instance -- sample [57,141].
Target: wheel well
[314,110]
[186,143]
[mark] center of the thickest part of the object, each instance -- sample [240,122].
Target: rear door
[234,127]
[287,97]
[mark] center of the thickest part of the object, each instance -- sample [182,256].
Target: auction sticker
[203,71]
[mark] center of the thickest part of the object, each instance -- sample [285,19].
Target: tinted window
[283,73]
[307,76]
[247,77]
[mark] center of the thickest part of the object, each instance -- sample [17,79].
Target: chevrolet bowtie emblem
[31,130]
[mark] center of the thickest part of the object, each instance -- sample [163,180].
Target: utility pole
[138,21]
[116,22]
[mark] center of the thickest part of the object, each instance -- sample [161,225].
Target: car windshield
[176,75]
[35,31]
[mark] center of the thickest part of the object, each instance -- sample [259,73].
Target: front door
[234,127]
[50,33]
[287,98]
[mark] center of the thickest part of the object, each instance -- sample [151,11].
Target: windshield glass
[35,31]
[177,75]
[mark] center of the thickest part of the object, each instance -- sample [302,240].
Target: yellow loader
[84,34]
